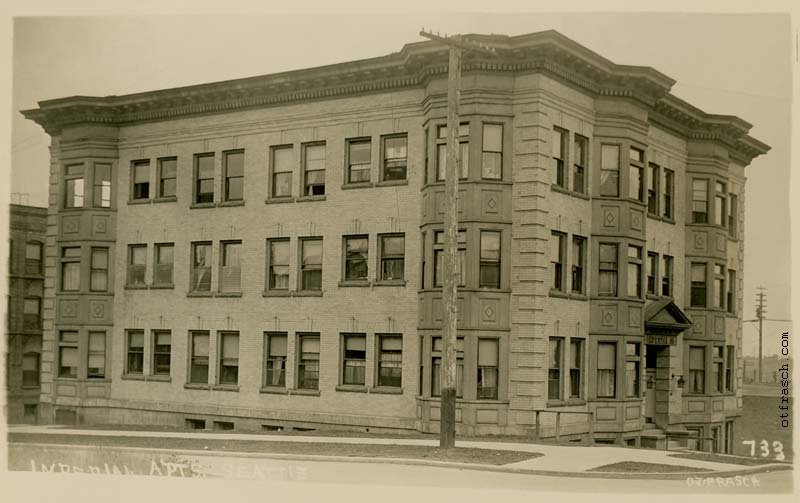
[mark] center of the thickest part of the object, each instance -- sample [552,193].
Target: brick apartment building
[265,252]
[28,227]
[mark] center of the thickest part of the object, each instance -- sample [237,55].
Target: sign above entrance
[661,340]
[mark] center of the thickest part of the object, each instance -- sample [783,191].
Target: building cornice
[413,66]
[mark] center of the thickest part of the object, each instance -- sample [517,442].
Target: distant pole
[760,316]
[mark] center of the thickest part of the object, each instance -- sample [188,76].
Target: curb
[443,464]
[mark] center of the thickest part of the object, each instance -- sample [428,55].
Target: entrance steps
[654,437]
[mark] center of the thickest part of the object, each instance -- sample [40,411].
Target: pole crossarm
[461,43]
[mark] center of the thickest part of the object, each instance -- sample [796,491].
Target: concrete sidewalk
[557,459]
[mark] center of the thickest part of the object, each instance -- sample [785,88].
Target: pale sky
[727,64]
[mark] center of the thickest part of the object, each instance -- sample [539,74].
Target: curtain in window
[606,365]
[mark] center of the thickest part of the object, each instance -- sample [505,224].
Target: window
[356,250]
[575,361]
[487,369]
[165,257]
[31,313]
[441,151]
[354,359]
[230,278]
[99,270]
[234,175]
[717,373]
[697,369]
[228,358]
[392,253]
[607,276]
[652,273]
[314,169]
[719,204]
[666,281]
[719,286]
[427,156]
[30,370]
[198,365]
[699,201]
[559,145]
[33,257]
[278,275]
[204,178]
[137,264]
[395,157]
[438,257]
[134,363]
[276,349]
[669,189]
[437,349]
[390,361]
[580,162]
[578,263]
[606,369]
[201,267]
[490,259]
[422,260]
[102,186]
[609,170]
[636,174]
[492,162]
[311,264]
[162,352]
[68,354]
[634,271]
[308,363]
[70,269]
[733,213]
[558,259]
[730,364]
[652,189]
[167,177]
[282,161]
[73,186]
[96,362]
[698,292]
[556,352]
[141,180]
[359,160]
[632,364]
[730,298]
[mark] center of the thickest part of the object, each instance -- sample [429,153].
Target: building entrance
[650,390]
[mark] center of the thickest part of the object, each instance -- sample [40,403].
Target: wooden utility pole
[760,316]
[450,267]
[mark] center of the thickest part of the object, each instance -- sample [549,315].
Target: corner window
[137,264]
[390,361]
[70,269]
[308,361]
[719,286]
[102,186]
[632,365]
[282,163]
[437,347]
[165,258]
[575,367]
[652,188]
[204,178]
[580,164]
[201,267]
[438,257]
[652,273]
[233,169]
[720,194]
[141,180]
[392,253]
[578,263]
[730,365]
[230,278]
[96,360]
[98,278]
[134,360]
[228,358]
[73,186]
[636,175]
[666,280]
[311,264]
[697,369]
[730,298]
[606,369]
[441,151]
[487,369]
[669,190]
[717,366]
[359,160]
[733,213]
[356,253]
[354,359]
[395,157]
[68,354]
[198,351]
[559,145]
[698,289]
[609,170]
[699,201]
[276,351]
[608,272]
[162,352]
[278,275]
[634,271]
[492,161]
[314,169]
[167,177]
[556,352]
[558,259]
[490,259]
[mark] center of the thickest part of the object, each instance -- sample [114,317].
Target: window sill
[358,185]
[191,385]
[225,387]
[568,192]
[31,387]
[133,377]
[578,296]
[306,392]
[166,199]
[276,293]
[136,287]
[199,294]
[227,294]
[651,296]
[390,282]
[386,390]
[195,206]
[273,390]
[354,283]
[391,183]
[139,201]
[159,378]
[162,287]
[558,293]
[238,202]
[303,199]
[307,293]
[568,403]
[351,388]
[279,200]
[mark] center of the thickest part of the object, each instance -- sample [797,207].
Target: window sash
[609,170]
[395,157]
[279,264]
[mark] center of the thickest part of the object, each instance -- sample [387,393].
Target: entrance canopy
[663,317]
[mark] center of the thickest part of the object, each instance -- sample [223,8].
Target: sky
[723,63]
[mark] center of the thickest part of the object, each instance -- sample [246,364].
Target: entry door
[650,395]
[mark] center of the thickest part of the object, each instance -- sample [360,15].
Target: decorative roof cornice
[412,67]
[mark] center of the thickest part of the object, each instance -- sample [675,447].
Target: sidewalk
[559,460]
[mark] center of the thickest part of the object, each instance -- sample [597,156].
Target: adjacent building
[28,227]
[265,253]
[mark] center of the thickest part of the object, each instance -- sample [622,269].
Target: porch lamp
[681,382]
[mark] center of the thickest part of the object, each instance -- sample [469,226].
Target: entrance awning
[663,317]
